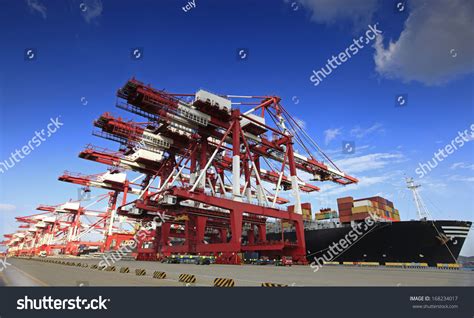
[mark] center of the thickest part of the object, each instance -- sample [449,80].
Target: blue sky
[83,54]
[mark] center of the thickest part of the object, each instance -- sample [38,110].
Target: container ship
[370,230]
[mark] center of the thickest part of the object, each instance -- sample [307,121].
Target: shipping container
[358,209]
[359,216]
[306,205]
[344,206]
[345,219]
[376,199]
[379,200]
[345,200]
[363,203]
[345,212]
[326,215]
[362,209]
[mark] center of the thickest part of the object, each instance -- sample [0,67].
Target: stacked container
[305,211]
[345,206]
[325,214]
[357,210]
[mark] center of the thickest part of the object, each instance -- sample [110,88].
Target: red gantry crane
[218,173]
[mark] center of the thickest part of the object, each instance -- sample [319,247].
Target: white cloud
[360,132]
[6,207]
[35,5]
[368,162]
[300,122]
[462,165]
[370,181]
[435,46]
[93,9]
[358,12]
[433,186]
[461,178]
[330,134]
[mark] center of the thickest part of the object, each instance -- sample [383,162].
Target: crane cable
[309,138]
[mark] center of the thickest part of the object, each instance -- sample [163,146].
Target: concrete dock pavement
[244,275]
[14,276]
[2,281]
[34,273]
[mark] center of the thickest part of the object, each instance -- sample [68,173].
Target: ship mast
[422,211]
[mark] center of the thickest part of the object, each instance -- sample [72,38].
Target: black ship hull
[430,242]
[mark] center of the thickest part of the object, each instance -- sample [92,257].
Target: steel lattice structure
[207,165]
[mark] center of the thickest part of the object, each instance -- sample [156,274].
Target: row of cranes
[218,173]
[63,229]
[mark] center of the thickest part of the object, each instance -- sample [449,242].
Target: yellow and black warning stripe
[124,270]
[394,264]
[85,265]
[94,266]
[187,278]
[110,269]
[416,265]
[140,272]
[368,264]
[159,275]
[78,264]
[273,285]
[451,266]
[224,282]
[102,267]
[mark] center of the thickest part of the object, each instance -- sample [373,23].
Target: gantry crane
[209,158]
[217,172]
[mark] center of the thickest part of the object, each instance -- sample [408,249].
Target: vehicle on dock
[284,261]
